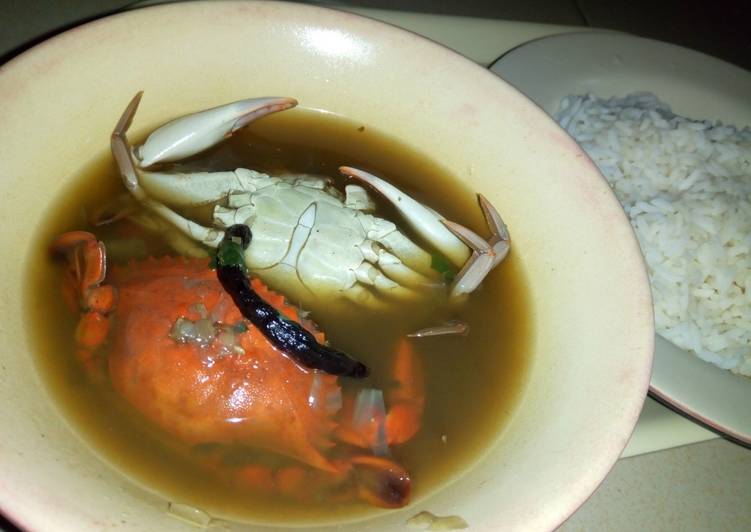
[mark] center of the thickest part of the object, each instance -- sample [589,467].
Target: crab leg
[374,427]
[121,150]
[423,220]
[416,259]
[450,327]
[408,399]
[191,190]
[378,481]
[181,138]
[399,272]
[410,263]
[377,296]
[486,255]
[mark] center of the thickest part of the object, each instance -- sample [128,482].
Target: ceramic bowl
[591,350]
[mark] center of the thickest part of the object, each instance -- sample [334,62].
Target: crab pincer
[286,335]
[83,287]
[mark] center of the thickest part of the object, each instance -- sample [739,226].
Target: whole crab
[309,239]
[179,350]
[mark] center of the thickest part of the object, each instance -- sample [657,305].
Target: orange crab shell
[221,381]
[213,393]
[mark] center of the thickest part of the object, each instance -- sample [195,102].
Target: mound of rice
[686,187]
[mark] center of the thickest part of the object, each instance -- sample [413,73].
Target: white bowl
[592,342]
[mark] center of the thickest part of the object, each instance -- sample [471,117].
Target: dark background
[721,28]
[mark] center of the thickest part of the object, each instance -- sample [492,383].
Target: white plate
[695,85]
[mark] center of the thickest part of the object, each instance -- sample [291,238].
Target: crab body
[309,238]
[180,351]
[230,388]
[312,241]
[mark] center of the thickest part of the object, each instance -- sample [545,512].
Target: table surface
[661,482]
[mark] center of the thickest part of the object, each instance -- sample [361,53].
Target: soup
[472,381]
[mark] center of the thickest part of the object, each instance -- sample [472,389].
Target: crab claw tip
[194,133]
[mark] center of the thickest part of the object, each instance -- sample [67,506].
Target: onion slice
[370,409]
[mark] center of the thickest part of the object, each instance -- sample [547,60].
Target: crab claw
[422,220]
[382,482]
[86,260]
[181,138]
[87,267]
[486,255]
[455,241]
[191,134]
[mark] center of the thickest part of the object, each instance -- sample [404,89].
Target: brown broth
[472,382]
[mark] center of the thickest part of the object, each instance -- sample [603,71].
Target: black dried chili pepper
[286,335]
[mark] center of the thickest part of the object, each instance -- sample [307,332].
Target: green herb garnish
[441,264]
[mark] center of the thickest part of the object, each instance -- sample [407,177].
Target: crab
[311,241]
[180,352]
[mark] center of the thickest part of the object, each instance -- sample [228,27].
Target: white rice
[686,187]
